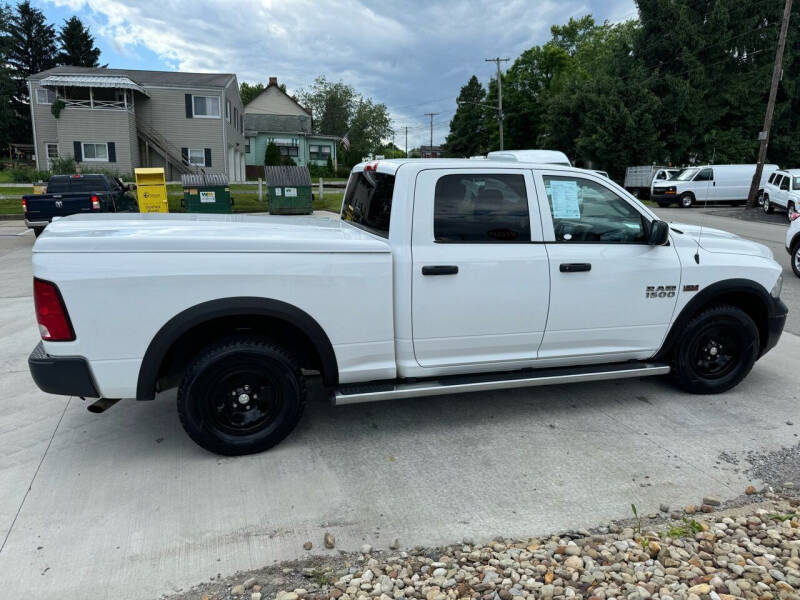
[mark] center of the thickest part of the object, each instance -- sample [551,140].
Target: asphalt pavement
[123,505]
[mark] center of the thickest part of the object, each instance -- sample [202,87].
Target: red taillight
[54,325]
[95,203]
[24,205]
[371,166]
[793,216]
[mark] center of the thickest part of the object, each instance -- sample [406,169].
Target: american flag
[346,141]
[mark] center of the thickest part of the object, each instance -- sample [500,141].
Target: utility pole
[431,115]
[498,60]
[406,141]
[763,136]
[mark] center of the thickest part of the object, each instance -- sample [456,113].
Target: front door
[480,287]
[612,294]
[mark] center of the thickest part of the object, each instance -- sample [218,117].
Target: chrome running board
[457,384]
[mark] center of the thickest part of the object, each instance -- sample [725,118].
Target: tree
[368,128]
[77,45]
[272,156]
[332,104]
[31,48]
[468,133]
[248,91]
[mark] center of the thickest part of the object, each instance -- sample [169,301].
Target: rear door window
[58,185]
[90,183]
[368,201]
[485,208]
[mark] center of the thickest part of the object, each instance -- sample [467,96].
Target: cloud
[413,56]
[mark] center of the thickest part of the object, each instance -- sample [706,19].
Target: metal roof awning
[93,81]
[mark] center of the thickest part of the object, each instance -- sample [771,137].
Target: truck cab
[439,276]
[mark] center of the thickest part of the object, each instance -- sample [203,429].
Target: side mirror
[659,233]
[130,187]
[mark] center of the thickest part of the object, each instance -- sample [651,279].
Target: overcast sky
[411,55]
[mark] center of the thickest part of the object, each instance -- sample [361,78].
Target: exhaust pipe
[102,405]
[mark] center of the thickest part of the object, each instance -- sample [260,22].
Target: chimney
[273,81]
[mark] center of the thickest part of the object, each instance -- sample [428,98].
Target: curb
[11,217]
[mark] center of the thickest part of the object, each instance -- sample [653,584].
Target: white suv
[782,190]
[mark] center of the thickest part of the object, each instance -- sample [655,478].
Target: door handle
[574,267]
[440,270]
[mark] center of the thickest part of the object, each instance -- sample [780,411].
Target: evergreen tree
[468,129]
[248,91]
[31,49]
[77,45]
[272,156]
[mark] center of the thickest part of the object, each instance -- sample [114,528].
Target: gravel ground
[701,552]
[749,214]
[780,469]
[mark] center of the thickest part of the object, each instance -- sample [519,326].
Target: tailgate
[46,206]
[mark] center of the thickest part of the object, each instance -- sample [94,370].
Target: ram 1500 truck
[441,276]
[72,194]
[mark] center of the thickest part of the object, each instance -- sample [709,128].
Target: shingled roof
[145,78]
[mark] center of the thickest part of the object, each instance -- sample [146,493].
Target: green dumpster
[289,190]
[206,193]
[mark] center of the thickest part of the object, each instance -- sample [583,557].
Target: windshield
[686,174]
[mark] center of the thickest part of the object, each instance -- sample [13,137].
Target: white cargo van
[709,183]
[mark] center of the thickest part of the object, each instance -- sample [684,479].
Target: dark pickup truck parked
[73,194]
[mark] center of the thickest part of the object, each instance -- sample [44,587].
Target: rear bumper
[63,375]
[775,322]
[32,224]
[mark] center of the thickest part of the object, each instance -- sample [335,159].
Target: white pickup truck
[441,276]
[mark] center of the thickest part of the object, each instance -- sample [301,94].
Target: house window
[52,151]
[288,150]
[228,111]
[247,145]
[235,118]
[319,152]
[45,96]
[197,157]
[98,152]
[206,106]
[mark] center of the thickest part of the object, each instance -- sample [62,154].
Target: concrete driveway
[123,505]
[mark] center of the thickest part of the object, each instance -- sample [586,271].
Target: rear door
[480,282]
[612,294]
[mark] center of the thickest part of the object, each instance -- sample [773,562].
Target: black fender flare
[231,307]
[707,295]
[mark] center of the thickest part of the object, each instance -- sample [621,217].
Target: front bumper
[656,197]
[63,375]
[775,322]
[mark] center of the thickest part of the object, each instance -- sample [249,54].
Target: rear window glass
[368,201]
[61,185]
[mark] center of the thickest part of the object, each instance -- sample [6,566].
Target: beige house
[119,119]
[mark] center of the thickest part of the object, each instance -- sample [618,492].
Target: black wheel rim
[244,397]
[716,352]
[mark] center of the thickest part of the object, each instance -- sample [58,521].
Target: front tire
[663,203]
[686,200]
[795,259]
[716,350]
[241,395]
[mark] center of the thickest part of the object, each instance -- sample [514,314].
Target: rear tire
[767,205]
[716,350]
[37,231]
[241,395]
[686,200]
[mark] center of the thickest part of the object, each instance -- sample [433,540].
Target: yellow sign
[151,190]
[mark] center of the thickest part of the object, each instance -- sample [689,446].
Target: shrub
[26,175]
[63,166]
[272,156]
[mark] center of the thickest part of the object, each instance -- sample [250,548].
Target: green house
[274,116]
